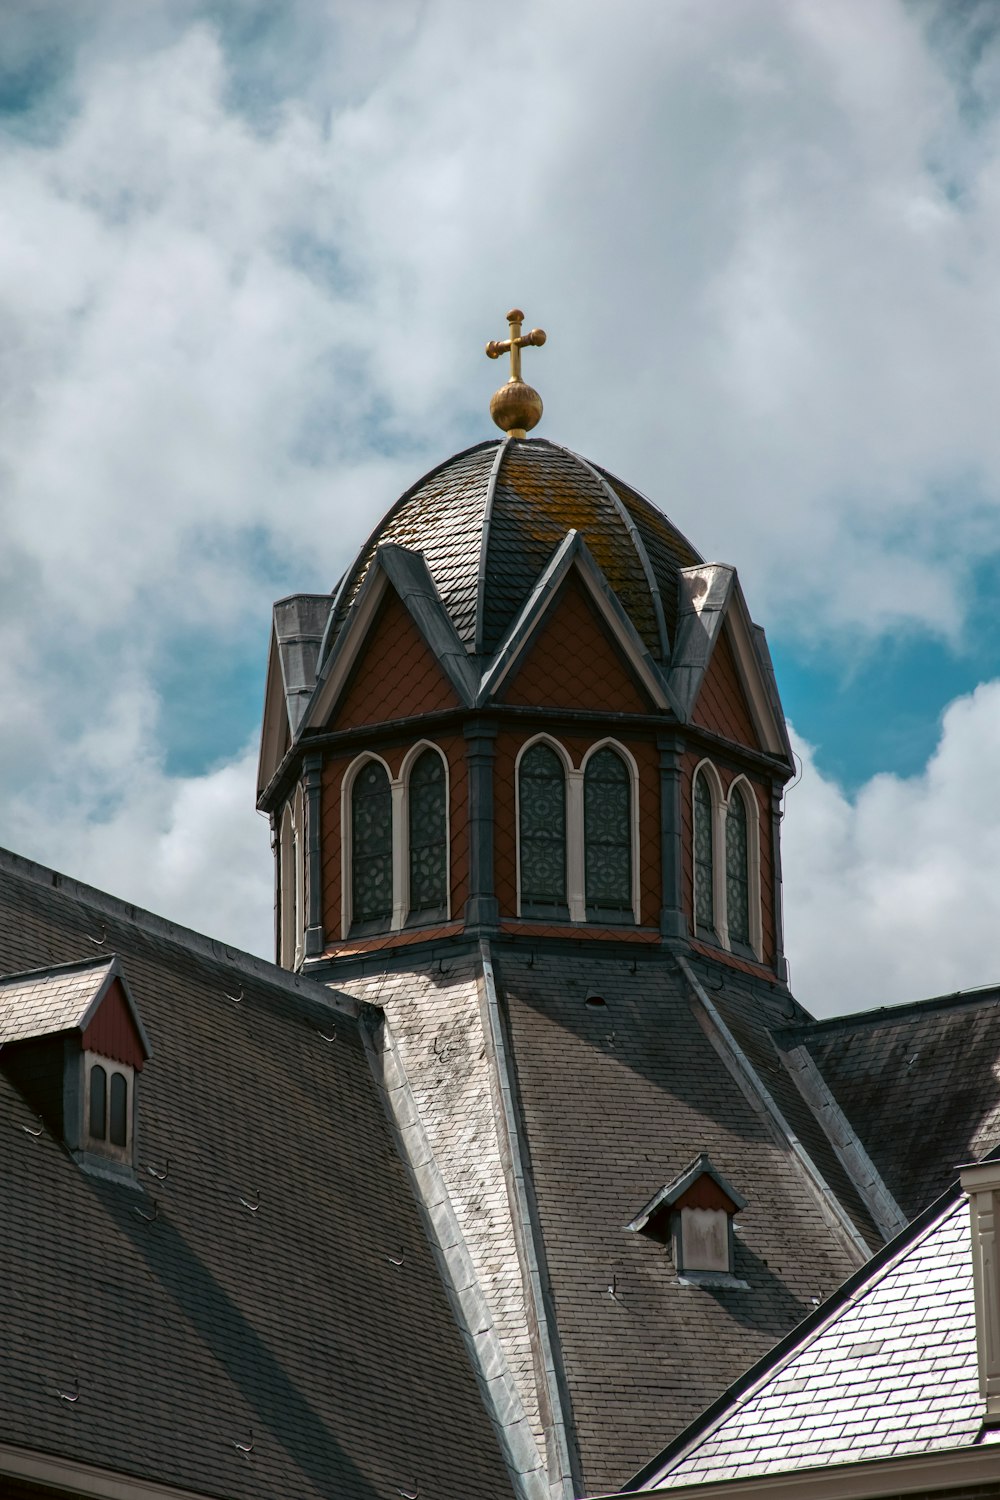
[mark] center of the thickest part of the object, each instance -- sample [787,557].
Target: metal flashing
[574,552]
[855,1160]
[637,543]
[564,1483]
[471,1309]
[491,489]
[761,1098]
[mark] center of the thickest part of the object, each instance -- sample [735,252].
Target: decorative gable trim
[711,600]
[116,974]
[573,553]
[408,574]
[675,1192]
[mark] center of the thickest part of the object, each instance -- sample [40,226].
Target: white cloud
[893,895]
[251,254]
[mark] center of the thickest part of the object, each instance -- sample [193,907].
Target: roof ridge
[15,975]
[978,995]
[197,943]
[503,448]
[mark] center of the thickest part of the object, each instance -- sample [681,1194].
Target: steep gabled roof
[887,1367]
[274,1277]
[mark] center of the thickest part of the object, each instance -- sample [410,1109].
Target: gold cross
[516,342]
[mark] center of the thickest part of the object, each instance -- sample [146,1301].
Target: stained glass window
[607,834]
[371,845]
[737,871]
[704,862]
[428,835]
[542,800]
[98,1102]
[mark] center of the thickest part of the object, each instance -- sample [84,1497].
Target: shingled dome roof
[488,520]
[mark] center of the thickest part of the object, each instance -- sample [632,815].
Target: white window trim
[742,787]
[633,770]
[286,887]
[398,788]
[576,881]
[299,860]
[110,1066]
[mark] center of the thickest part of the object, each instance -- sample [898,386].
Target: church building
[523,1153]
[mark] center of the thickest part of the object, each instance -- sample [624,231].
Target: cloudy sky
[249,257]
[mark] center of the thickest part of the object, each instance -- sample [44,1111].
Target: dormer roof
[687,1188]
[63,997]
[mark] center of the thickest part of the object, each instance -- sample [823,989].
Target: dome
[488,520]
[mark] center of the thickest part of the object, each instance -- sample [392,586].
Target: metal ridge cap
[645,562]
[351,571]
[491,488]
[151,925]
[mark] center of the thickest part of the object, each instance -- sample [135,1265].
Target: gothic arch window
[705,823]
[291,880]
[541,788]
[607,836]
[743,924]
[371,847]
[726,862]
[427,836]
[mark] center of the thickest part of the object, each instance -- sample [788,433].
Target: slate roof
[489,519]
[886,1369]
[273,1275]
[46,1001]
[919,1083]
[616,1100]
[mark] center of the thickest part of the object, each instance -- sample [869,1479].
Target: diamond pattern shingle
[890,1371]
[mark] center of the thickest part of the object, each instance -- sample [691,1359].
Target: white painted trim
[742,787]
[568,769]
[286,887]
[409,760]
[633,770]
[299,855]
[718,850]
[346,873]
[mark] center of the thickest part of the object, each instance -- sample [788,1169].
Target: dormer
[694,1214]
[72,1041]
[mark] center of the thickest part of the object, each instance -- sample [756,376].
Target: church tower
[524,770]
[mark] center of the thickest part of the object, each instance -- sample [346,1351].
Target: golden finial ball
[516,407]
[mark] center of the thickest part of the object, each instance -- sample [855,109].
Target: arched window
[704,854]
[287,889]
[428,836]
[118,1120]
[97,1128]
[607,834]
[371,846]
[542,829]
[737,870]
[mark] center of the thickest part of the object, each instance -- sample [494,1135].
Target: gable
[573,663]
[113,1032]
[722,704]
[396,675]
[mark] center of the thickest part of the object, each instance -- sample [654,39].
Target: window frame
[399,794]
[739,786]
[575,909]
[104,1148]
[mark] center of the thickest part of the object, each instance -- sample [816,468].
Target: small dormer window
[108,1105]
[694,1215]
